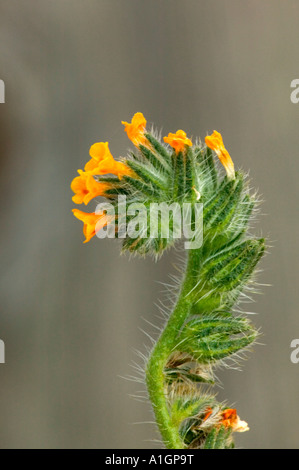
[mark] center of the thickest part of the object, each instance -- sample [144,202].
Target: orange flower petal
[98,152]
[136,129]
[215,142]
[178,141]
[86,188]
[92,222]
[78,186]
[103,163]
[91,165]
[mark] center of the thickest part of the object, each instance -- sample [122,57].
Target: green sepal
[138,185]
[179,177]
[210,164]
[226,198]
[217,201]
[117,191]
[209,339]
[186,372]
[223,218]
[157,162]
[232,267]
[147,175]
[235,228]
[188,413]
[160,149]
[205,160]
[108,179]
[219,438]
[190,182]
[184,407]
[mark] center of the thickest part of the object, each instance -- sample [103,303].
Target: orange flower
[92,222]
[86,188]
[102,162]
[230,419]
[215,142]
[136,129]
[178,141]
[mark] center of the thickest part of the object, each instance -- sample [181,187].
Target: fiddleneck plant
[203,329]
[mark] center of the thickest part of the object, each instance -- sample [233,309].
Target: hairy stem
[162,350]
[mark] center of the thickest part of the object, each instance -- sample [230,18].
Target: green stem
[162,350]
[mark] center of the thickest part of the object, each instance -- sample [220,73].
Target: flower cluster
[91,184]
[86,187]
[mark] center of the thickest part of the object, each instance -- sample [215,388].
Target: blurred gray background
[72,313]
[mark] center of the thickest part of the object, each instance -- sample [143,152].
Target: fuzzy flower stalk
[203,330]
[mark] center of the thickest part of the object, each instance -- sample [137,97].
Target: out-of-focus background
[72,313]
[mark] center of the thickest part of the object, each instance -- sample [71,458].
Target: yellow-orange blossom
[135,129]
[215,142]
[101,163]
[92,222]
[178,141]
[86,188]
